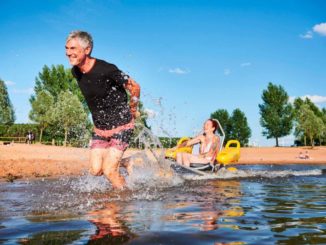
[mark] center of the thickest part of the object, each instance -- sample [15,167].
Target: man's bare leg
[111,165]
[96,159]
[128,164]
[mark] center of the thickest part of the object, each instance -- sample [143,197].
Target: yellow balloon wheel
[232,169]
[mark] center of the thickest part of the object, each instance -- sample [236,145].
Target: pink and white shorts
[118,140]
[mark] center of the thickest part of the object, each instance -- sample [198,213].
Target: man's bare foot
[95,173]
[117,181]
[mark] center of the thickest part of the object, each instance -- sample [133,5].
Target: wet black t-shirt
[105,94]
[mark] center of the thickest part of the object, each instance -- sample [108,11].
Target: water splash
[149,165]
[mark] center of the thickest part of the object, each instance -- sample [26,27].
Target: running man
[105,89]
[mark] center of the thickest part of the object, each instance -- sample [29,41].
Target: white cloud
[308,35]
[317,99]
[227,72]
[245,64]
[23,91]
[178,71]
[10,83]
[320,29]
[150,113]
[291,99]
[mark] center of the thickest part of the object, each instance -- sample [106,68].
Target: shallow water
[258,205]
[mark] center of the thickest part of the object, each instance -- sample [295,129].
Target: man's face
[75,52]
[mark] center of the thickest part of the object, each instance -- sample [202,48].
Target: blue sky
[190,57]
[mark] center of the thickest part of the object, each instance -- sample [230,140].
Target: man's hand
[135,114]
[134,91]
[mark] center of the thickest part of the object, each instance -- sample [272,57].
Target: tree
[140,122]
[42,107]
[7,113]
[239,127]
[313,107]
[276,112]
[69,113]
[323,136]
[55,80]
[223,116]
[299,132]
[309,123]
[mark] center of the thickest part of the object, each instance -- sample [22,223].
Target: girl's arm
[194,141]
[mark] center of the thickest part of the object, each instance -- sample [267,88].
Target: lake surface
[258,205]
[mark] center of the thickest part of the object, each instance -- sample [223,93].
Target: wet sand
[31,161]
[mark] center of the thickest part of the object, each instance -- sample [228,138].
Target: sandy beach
[32,161]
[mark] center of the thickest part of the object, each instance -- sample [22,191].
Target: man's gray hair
[85,39]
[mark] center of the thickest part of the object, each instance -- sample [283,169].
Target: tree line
[59,110]
[279,117]
[235,126]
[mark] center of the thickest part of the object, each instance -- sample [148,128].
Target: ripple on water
[285,208]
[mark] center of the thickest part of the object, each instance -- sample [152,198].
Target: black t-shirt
[105,94]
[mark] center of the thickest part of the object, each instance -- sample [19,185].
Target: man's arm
[134,90]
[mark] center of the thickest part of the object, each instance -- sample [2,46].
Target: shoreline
[22,161]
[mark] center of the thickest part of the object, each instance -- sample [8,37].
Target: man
[105,88]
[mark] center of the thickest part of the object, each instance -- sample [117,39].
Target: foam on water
[87,191]
[89,183]
[225,174]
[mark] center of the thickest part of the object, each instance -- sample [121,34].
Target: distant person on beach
[301,156]
[30,138]
[304,156]
[105,89]
[209,145]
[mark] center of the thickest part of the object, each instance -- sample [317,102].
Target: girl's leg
[190,158]
[179,157]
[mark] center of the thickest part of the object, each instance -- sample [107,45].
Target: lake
[260,204]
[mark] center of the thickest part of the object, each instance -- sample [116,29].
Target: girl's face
[208,126]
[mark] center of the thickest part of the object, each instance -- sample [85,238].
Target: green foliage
[168,142]
[323,135]
[68,113]
[303,123]
[41,112]
[223,117]
[7,113]
[235,127]
[239,127]
[55,80]
[49,86]
[17,130]
[140,122]
[276,112]
[312,125]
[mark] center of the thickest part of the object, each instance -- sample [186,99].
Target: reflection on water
[110,227]
[254,210]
